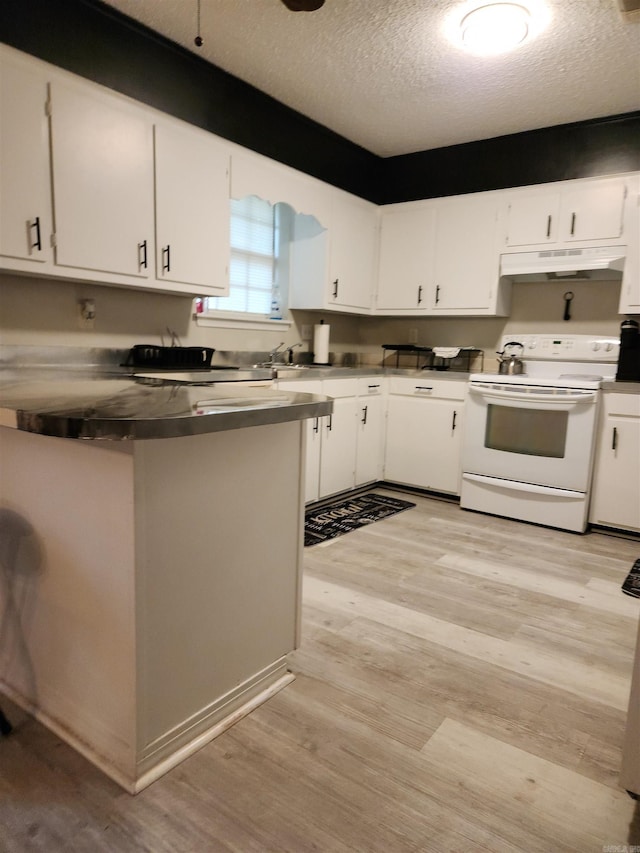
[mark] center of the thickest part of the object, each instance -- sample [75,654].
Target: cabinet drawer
[340,387]
[427,386]
[371,386]
[622,404]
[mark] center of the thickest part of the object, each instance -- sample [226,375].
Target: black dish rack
[430,361]
[170,358]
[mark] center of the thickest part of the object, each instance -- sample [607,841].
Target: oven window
[534,432]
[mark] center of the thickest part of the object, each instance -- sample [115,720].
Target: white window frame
[244,319]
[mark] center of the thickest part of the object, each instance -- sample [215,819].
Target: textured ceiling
[383,74]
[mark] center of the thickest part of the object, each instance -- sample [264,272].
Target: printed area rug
[343,516]
[632,583]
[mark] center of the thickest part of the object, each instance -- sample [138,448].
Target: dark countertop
[90,404]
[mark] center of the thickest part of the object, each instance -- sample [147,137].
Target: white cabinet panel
[466,261]
[352,235]
[407,247]
[25,198]
[583,210]
[592,211]
[338,454]
[332,265]
[102,159]
[424,428]
[616,486]
[533,219]
[371,422]
[192,208]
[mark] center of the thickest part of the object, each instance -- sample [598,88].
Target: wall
[98,43]
[43,313]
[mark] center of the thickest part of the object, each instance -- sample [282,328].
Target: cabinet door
[25,200]
[423,443]
[338,453]
[467,260]
[405,275]
[102,160]
[533,219]
[192,208]
[352,236]
[593,211]
[370,447]
[312,462]
[616,490]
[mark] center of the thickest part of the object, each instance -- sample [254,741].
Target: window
[255,240]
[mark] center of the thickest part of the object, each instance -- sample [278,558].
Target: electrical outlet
[413,336]
[86,314]
[306,333]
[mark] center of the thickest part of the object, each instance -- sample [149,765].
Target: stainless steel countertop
[112,405]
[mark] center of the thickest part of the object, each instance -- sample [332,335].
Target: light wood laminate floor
[461,685]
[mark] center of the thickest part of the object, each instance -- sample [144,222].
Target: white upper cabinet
[406,265]
[332,264]
[102,164]
[533,219]
[25,197]
[192,208]
[253,174]
[592,211]
[466,272]
[353,240]
[575,211]
[442,258]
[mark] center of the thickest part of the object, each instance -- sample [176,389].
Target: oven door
[543,436]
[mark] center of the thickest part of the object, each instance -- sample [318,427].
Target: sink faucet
[290,351]
[273,352]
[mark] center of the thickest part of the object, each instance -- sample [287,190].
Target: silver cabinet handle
[316,424]
[330,423]
[453,421]
[573,224]
[166,258]
[614,439]
[419,294]
[549,225]
[335,288]
[364,414]
[437,294]
[423,387]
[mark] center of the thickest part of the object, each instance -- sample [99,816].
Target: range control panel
[566,347]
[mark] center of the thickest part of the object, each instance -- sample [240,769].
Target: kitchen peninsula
[161,591]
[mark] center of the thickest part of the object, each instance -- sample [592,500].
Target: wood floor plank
[521,790]
[583,680]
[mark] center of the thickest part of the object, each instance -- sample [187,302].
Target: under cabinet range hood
[599,264]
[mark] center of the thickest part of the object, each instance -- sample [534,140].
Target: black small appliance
[629,358]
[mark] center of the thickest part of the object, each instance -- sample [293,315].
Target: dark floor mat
[343,516]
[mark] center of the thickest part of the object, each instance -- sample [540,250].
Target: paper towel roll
[321,343]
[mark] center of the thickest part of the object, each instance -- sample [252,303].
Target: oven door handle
[531,488]
[544,401]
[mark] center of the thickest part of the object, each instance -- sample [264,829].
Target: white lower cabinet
[339,439]
[371,426]
[344,449]
[424,429]
[615,500]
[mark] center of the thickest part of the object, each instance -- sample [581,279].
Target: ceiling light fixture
[495,28]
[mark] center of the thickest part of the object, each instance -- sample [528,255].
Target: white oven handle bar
[514,485]
[541,401]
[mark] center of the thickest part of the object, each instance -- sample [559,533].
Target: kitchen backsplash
[44,313]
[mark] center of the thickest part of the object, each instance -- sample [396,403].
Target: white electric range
[529,438]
